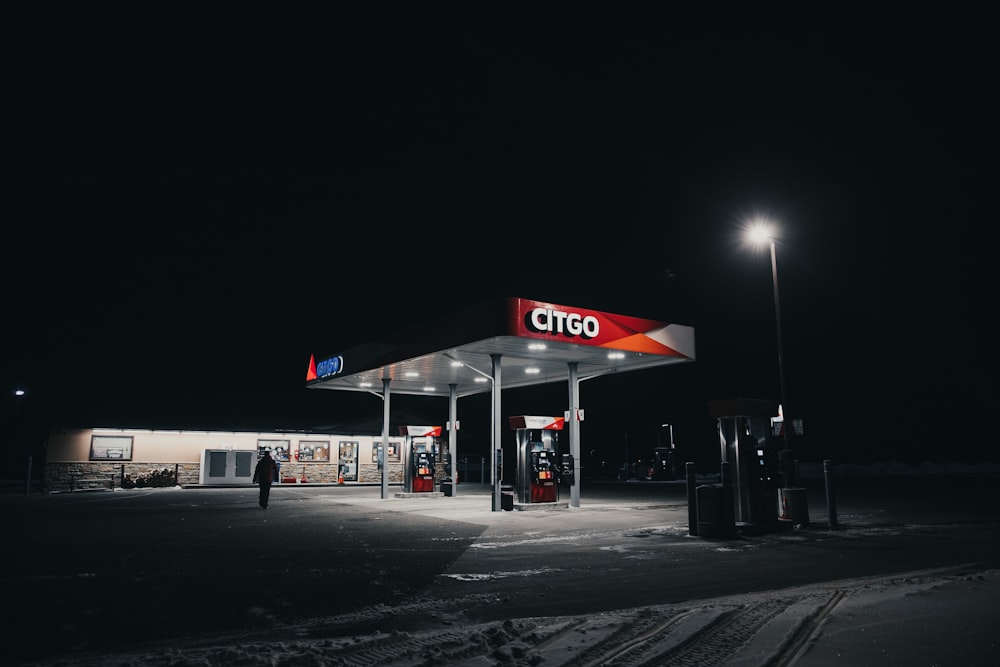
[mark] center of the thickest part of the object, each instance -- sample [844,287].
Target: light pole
[665,463]
[18,395]
[626,457]
[759,233]
[671,433]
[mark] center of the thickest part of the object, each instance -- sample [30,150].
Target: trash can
[507,498]
[446,487]
[710,513]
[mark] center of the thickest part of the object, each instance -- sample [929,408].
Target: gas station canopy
[536,342]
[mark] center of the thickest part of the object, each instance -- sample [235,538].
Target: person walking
[264,474]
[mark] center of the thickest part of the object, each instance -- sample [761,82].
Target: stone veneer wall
[370,474]
[315,473]
[60,476]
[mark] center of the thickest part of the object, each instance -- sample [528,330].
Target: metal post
[453,437]
[831,494]
[785,464]
[692,499]
[728,514]
[27,480]
[574,432]
[781,366]
[496,438]
[627,467]
[384,454]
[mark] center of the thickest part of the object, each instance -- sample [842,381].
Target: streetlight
[671,433]
[759,233]
[18,395]
[665,462]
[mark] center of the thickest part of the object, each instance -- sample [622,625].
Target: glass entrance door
[348,460]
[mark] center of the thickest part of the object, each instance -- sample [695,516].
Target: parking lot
[103,570]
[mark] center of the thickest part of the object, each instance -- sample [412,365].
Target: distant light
[456,364]
[536,346]
[19,392]
[428,388]
[532,370]
[412,374]
[616,355]
[479,378]
[366,384]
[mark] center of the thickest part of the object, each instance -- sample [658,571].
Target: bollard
[831,494]
[692,501]
[27,480]
[728,509]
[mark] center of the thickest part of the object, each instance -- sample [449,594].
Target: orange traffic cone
[303,480]
[340,477]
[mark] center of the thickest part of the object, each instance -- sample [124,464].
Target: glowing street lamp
[18,393]
[18,434]
[761,232]
[663,426]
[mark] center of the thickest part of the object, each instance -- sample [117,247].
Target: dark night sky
[198,199]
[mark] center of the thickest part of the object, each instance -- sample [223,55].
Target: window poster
[314,450]
[394,448]
[111,448]
[279,449]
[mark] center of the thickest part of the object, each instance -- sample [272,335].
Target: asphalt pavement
[93,572]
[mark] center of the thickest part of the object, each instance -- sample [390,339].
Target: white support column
[385,438]
[496,439]
[574,432]
[453,435]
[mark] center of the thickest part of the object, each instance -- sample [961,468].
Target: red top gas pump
[421,446]
[537,465]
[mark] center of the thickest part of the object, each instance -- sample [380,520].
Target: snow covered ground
[921,618]
[946,616]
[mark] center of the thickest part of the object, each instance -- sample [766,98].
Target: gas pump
[664,465]
[538,467]
[420,454]
[749,445]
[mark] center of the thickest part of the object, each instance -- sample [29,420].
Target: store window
[279,449]
[111,448]
[317,451]
[395,446]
